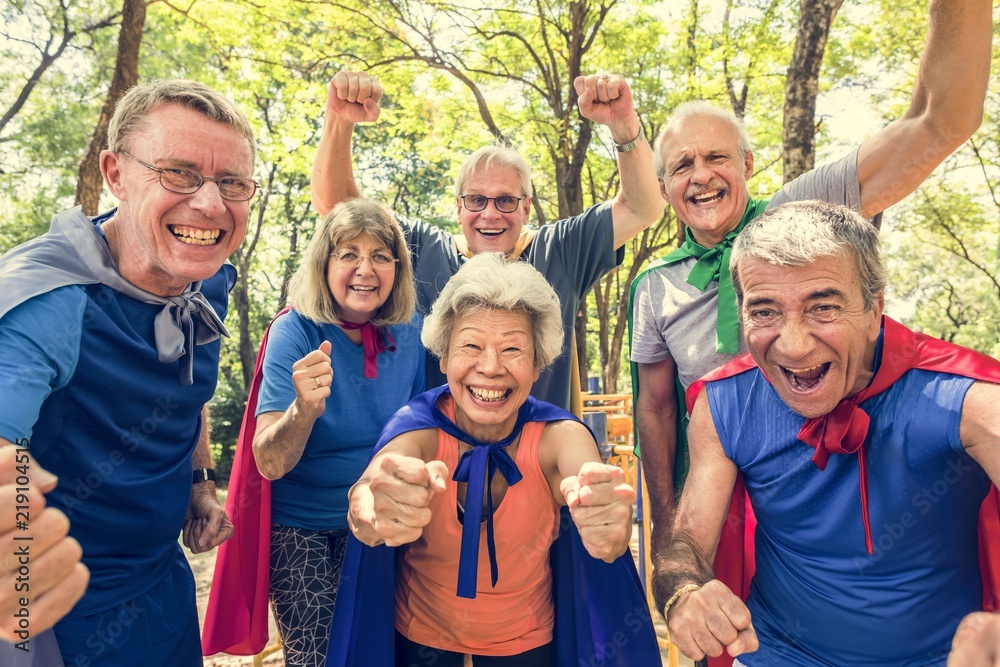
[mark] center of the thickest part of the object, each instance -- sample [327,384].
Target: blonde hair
[135,105]
[308,290]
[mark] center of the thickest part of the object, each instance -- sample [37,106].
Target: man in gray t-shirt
[493,203]
[680,326]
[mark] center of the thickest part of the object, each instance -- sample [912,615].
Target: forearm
[279,443]
[333,172]
[657,425]
[639,203]
[684,563]
[954,70]
[202,457]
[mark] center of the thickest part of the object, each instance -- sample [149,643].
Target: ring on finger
[318,383]
[605,77]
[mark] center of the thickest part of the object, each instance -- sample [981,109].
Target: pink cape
[902,350]
[236,620]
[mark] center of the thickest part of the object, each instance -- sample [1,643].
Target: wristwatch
[625,148]
[203,475]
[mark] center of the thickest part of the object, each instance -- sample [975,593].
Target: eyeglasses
[378,260]
[504,203]
[186,181]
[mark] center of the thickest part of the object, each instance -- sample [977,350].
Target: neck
[126,269]
[354,335]
[485,432]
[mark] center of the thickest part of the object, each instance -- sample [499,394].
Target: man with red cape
[867,452]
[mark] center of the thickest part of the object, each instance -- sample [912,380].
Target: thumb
[372,108]
[325,347]
[570,488]
[437,472]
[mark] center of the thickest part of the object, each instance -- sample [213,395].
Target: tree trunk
[91,182]
[802,85]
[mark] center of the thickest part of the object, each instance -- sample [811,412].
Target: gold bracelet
[690,588]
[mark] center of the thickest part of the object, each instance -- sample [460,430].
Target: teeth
[805,378]
[195,236]
[708,196]
[489,394]
[362,288]
[491,232]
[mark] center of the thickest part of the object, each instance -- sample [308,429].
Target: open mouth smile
[489,395]
[195,236]
[707,197]
[491,232]
[805,379]
[363,289]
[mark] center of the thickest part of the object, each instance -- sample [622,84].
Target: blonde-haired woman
[336,365]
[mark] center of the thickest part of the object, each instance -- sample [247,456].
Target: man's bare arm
[710,619]
[608,100]
[656,420]
[946,108]
[352,97]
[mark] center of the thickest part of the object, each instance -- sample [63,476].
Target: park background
[810,78]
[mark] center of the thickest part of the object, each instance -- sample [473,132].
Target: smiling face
[490,364]
[360,290]
[490,230]
[808,330]
[705,176]
[161,240]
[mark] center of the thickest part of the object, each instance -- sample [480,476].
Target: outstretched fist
[354,96]
[312,376]
[600,503]
[607,99]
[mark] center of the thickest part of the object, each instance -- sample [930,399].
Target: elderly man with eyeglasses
[110,329]
[493,195]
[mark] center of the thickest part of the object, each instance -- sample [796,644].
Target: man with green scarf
[682,314]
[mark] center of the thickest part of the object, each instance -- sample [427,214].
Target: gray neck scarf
[73,252]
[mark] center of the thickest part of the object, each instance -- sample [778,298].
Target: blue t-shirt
[818,599]
[80,376]
[313,494]
[572,254]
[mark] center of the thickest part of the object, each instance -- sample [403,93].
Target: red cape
[902,350]
[236,620]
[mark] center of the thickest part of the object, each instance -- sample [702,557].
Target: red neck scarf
[373,339]
[844,429]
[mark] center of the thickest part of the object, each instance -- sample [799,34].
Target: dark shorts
[156,629]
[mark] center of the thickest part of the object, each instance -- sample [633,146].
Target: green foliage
[434,58]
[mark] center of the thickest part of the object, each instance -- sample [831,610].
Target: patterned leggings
[305,574]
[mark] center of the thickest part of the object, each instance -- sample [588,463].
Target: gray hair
[699,109]
[492,157]
[800,233]
[490,281]
[308,290]
[135,105]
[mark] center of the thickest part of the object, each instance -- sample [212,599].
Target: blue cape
[601,616]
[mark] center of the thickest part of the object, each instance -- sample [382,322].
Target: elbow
[951,128]
[268,469]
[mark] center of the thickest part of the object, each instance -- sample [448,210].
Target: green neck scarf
[713,264]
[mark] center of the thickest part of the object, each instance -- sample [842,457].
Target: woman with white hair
[479,460]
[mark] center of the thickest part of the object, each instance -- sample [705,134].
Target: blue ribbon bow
[477,467]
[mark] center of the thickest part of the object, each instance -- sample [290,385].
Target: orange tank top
[518,614]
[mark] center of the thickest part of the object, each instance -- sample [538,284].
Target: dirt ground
[203,566]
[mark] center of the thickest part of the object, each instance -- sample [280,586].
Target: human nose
[490,363]
[361,267]
[794,339]
[208,199]
[701,172]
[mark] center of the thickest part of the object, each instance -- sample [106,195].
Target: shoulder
[578,224]
[566,430]
[62,305]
